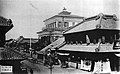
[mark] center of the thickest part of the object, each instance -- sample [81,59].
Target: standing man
[31,71]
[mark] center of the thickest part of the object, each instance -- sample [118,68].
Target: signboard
[6,69]
[86,65]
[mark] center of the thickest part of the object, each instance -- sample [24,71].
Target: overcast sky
[28,15]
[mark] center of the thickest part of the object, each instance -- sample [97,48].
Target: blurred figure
[31,71]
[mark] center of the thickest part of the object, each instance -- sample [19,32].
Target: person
[31,71]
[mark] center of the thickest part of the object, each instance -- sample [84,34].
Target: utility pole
[31,50]
[51,63]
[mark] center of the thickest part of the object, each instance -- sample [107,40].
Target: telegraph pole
[31,50]
[51,63]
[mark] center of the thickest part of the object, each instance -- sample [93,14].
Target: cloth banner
[72,64]
[102,67]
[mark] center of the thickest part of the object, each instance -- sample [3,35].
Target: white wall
[65,19]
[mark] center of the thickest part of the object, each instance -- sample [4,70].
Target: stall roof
[52,45]
[89,48]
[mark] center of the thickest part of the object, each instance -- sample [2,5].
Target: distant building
[55,25]
[26,43]
[27,40]
[5,26]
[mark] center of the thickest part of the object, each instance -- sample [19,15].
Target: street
[40,69]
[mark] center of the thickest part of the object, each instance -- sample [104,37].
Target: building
[89,44]
[55,25]
[5,26]
[24,44]
[14,64]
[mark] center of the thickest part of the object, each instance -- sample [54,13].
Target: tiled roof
[73,16]
[65,13]
[93,22]
[69,16]
[27,40]
[5,22]
[21,39]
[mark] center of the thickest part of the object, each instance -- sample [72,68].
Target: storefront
[89,61]
[90,44]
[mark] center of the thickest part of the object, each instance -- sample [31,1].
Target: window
[73,23]
[49,25]
[52,25]
[116,45]
[103,39]
[46,26]
[66,24]
[55,24]
[70,24]
[59,24]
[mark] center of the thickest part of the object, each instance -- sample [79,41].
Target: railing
[55,29]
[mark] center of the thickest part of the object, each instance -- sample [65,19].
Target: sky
[28,15]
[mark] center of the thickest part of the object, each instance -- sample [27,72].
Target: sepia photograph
[59,36]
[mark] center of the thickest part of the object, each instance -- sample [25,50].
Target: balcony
[54,29]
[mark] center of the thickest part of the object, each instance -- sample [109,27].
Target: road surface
[41,69]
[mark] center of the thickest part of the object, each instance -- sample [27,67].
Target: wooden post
[77,65]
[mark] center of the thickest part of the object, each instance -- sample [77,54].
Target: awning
[88,48]
[47,33]
[53,45]
[63,54]
[44,33]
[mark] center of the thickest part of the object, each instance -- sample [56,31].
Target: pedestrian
[31,71]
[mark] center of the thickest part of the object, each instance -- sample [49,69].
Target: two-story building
[91,45]
[55,25]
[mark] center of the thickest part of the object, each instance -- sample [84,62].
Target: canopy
[52,45]
[88,48]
